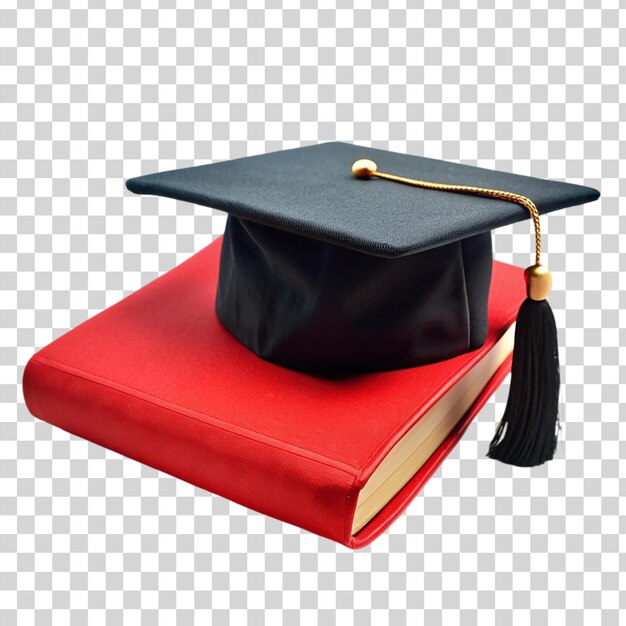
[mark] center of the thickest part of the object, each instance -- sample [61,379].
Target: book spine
[258,474]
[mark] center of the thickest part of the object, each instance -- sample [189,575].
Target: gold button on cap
[364,168]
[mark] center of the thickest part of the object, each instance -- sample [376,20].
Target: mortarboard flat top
[311,191]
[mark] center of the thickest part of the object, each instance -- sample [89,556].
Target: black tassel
[528,431]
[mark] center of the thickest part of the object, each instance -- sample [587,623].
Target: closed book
[157,378]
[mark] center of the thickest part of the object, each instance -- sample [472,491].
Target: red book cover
[157,378]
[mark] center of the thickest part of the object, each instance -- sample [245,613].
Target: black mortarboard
[329,269]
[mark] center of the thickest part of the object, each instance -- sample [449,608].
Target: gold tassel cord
[527,433]
[365,168]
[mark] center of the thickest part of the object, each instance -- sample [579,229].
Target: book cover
[158,379]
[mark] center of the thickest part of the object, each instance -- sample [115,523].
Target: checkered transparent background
[90,97]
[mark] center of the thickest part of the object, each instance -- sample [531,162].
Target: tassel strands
[528,431]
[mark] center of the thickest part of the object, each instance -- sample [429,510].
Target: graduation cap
[339,259]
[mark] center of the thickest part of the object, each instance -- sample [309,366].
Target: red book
[157,378]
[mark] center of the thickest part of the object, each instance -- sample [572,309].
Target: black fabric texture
[314,306]
[311,191]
